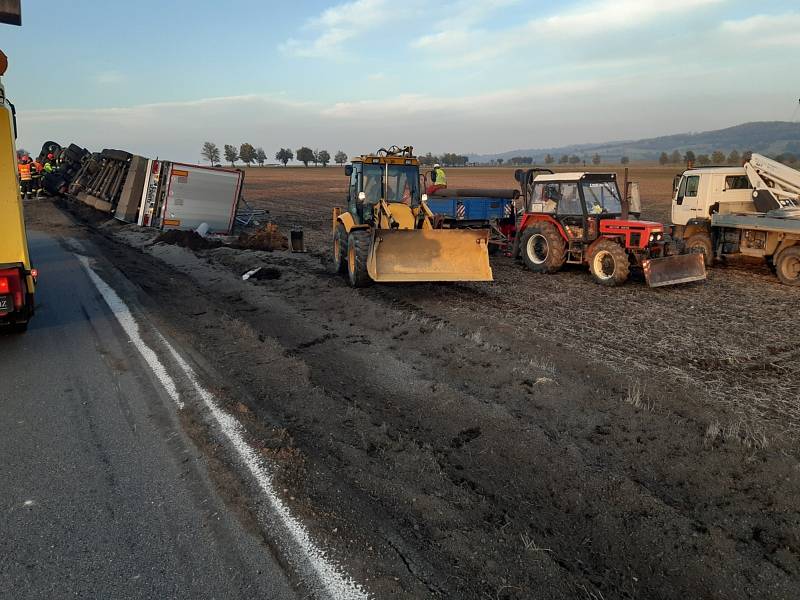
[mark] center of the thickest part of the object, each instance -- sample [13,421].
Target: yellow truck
[17,277]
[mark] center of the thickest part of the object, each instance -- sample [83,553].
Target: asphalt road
[102,495]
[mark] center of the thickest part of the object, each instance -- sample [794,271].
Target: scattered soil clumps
[267,238]
[187,239]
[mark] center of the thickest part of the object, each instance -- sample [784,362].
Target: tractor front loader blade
[672,270]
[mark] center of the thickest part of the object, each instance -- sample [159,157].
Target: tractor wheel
[340,249]
[542,248]
[787,266]
[358,243]
[700,243]
[609,263]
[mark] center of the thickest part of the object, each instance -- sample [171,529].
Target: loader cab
[702,192]
[374,178]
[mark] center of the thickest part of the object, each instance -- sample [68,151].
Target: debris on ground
[267,238]
[262,273]
[187,239]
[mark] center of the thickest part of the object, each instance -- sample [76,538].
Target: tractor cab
[579,201]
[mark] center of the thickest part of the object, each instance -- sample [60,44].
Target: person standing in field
[438,179]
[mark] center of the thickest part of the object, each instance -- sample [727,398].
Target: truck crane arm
[775,186]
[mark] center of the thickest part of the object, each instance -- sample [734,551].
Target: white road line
[131,327]
[337,585]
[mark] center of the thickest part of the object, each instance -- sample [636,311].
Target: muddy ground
[535,437]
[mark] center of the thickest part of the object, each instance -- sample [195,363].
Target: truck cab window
[692,185]
[737,182]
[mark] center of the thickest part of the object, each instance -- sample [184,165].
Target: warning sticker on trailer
[172,222]
[180,175]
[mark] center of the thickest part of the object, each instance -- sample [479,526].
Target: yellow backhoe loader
[387,233]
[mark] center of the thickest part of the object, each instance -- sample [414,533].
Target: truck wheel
[19,327]
[787,266]
[700,243]
[340,249]
[609,263]
[358,243]
[542,248]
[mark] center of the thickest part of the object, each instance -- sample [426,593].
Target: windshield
[402,183]
[601,197]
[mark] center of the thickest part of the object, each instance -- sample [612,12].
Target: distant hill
[765,137]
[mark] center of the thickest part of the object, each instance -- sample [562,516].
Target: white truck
[752,210]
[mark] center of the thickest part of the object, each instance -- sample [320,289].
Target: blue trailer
[480,209]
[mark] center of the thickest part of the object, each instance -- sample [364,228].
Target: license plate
[5,304]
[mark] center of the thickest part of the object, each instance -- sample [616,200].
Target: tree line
[715,158]
[249,154]
[448,159]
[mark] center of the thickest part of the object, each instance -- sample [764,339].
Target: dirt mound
[267,238]
[187,239]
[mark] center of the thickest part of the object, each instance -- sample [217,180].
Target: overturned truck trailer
[161,194]
[183,196]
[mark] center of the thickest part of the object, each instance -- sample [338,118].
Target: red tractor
[580,218]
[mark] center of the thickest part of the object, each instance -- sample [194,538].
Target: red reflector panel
[4,287]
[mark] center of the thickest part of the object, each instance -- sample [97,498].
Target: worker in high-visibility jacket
[50,163]
[25,176]
[37,169]
[438,179]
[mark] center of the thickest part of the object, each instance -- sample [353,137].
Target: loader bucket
[430,255]
[672,270]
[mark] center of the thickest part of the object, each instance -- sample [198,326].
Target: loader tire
[609,263]
[787,266]
[700,243]
[358,243]
[542,248]
[340,249]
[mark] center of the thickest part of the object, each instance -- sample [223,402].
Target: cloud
[415,105]
[766,30]
[112,77]
[341,23]
[597,19]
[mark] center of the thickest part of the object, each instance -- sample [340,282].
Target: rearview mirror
[348,170]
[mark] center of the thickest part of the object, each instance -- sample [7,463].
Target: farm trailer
[490,209]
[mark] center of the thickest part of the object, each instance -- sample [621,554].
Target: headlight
[656,237]
[424,197]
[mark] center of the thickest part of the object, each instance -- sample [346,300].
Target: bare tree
[211,153]
[231,154]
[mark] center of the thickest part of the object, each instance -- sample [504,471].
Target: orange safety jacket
[24,171]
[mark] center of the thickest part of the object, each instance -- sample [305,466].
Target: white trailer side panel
[201,195]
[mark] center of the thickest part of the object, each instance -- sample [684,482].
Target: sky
[159,78]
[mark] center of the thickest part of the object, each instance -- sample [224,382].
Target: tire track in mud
[692,526]
[566,491]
